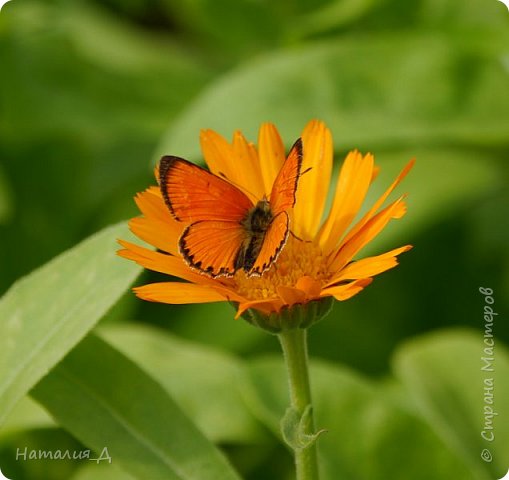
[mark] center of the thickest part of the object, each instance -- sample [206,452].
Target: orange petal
[344,292]
[162,235]
[272,154]
[305,289]
[218,153]
[380,201]
[237,162]
[376,171]
[291,295]
[369,231]
[265,306]
[310,286]
[352,186]
[370,266]
[162,263]
[314,184]
[178,293]
[247,166]
[151,204]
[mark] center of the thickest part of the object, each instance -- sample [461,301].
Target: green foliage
[132,416]
[374,434]
[101,472]
[356,85]
[46,313]
[445,376]
[5,199]
[202,381]
[92,93]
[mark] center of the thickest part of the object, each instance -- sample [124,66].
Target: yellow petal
[271,151]
[344,292]
[247,165]
[178,293]
[380,201]
[370,266]
[369,231]
[313,185]
[352,186]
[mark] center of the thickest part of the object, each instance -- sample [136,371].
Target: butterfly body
[256,223]
[226,231]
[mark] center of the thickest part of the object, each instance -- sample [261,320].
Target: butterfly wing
[194,194]
[213,207]
[212,246]
[273,242]
[282,196]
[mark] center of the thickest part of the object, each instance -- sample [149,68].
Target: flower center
[297,259]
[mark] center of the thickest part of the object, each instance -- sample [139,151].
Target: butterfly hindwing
[212,246]
[194,194]
[273,242]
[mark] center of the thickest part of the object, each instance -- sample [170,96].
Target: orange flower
[318,258]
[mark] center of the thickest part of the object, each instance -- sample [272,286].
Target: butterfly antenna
[298,238]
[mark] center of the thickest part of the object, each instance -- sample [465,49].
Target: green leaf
[105,400]
[188,322]
[46,313]
[369,436]
[443,373]
[203,381]
[451,13]
[101,472]
[373,92]
[231,29]
[122,81]
[295,426]
[331,16]
[26,415]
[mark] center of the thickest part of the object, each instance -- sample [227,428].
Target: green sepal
[301,315]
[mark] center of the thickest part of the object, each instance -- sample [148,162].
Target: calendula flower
[318,259]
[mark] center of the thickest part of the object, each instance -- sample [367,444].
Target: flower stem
[294,344]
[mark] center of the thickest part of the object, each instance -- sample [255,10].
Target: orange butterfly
[227,231]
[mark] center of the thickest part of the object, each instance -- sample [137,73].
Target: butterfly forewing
[282,196]
[194,194]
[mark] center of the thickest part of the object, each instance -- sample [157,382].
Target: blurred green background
[92,92]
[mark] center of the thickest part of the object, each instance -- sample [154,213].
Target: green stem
[294,344]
